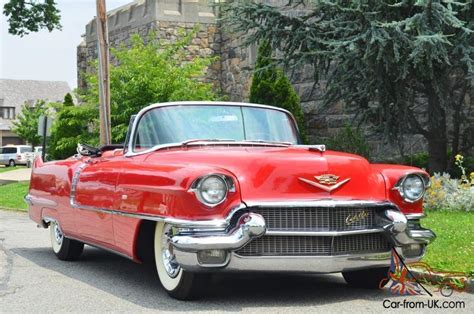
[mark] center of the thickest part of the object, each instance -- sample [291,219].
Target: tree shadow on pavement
[230,292]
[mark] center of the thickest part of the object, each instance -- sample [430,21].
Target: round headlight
[412,188]
[212,190]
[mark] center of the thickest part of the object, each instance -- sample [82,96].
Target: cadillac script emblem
[326,182]
[356,217]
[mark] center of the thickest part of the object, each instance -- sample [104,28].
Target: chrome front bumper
[189,243]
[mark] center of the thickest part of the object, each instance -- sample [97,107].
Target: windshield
[175,124]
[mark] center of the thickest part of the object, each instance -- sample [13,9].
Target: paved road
[32,280]
[21,174]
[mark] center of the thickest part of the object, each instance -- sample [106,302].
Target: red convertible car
[203,187]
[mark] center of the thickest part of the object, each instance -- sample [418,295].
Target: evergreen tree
[68,101]
[270,86]
[408,65]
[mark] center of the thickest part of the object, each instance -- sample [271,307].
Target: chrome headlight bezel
[227,182]
[400,186]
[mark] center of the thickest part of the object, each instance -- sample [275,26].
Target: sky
[44,55]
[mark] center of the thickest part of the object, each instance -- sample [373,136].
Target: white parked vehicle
[30,156]
[12,155]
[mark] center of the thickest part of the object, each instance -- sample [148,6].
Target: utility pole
[104,83]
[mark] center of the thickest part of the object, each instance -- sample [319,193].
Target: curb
[435,278]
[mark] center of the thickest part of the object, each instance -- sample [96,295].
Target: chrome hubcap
[169,260]
[58,235]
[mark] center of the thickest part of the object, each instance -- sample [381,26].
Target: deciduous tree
[144,73]
[26,124]
[27,16]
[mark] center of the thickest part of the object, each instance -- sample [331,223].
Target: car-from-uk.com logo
[401,281]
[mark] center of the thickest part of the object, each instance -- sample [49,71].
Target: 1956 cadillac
[213,186]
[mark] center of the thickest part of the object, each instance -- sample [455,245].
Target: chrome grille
[315,218]
[315,245]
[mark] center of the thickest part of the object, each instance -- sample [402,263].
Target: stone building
[15,93]
[232,72]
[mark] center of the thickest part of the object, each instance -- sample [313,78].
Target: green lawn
[11,195]
[5,169]
[453,249]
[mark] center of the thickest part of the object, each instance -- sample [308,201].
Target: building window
[7,113]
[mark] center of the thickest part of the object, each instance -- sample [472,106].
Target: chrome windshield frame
[131,153]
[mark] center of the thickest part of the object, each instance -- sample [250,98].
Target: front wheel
[64,248]
[11,163]
[367,278]
[178,283]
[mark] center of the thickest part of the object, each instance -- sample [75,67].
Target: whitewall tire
[177,282]
[65,249]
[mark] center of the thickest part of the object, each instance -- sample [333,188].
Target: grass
[453,249]
[5,169]
[11,196]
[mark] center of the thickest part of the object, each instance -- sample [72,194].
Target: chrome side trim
[36,200]
[323,233]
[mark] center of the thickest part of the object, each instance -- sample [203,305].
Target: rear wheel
[367,278]
[11,163]
[64,248]
[178,283]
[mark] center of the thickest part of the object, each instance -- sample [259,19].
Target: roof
[14,93]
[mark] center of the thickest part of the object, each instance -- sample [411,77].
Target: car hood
[283,173]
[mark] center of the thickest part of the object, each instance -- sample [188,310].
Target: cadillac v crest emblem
[353,218]
[326,182]
[328,179]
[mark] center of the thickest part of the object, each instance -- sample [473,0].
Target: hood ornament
[327,182]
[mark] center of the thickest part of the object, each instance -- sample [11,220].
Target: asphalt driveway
[33,280]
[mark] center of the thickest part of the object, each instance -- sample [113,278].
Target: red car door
[94,198]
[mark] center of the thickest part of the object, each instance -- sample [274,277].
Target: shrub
[451,194]
[350,140]
[73,124]
[270,86]
[419,160]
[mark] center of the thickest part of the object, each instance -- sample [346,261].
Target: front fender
[392,174]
